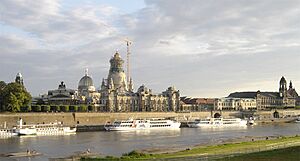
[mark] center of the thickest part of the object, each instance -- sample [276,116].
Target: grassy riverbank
[214,151]
[286,154]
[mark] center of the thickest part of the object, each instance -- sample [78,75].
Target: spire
[130,85]
[19,79]
[103,84]
[291,85]
[86,71]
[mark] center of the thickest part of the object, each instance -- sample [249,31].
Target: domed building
[86,85]
[117,94]
[86,90]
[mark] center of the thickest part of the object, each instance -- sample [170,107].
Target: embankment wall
[97,118]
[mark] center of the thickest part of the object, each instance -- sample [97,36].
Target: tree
[13,96]
[12,103]
[2,86]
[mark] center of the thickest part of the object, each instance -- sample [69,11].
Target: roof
[243,95]
[85,81]
[270,94]
[187,100]
[253,94]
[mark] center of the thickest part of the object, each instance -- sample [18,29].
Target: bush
[90,108]
[134,154]
[54,108]
[82,108]
[45,108]
[73,108]
[64,108]
[36,108]
[26,109]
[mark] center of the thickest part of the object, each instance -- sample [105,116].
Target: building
[87,93]
[60,96]
[19,79]
[117,95]
[284,98]
[197,104]
[229,103]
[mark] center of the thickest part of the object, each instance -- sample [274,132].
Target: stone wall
[96,118]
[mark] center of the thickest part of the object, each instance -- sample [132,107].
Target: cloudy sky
[205,48]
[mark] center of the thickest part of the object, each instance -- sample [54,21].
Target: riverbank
[236,147]
[90,120]
[286,154]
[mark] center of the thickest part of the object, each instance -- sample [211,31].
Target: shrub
[64,108]
[90,108]
[71,108]
[134,154]
[82,108]
[75,108]
[36,108]
[46,108]
[26,108]
[54,108]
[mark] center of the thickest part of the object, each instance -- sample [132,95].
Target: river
[116,143]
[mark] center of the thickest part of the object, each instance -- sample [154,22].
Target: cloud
[205,48]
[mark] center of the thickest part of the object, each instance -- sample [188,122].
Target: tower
[19,79]
[282,87]
[291,85]
[116,76]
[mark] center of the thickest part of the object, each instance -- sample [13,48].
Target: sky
[205,48]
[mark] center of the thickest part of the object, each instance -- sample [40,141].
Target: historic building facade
[284,98]
[117,94]
[229,103]
[60,96]
[188,104]
[87,93]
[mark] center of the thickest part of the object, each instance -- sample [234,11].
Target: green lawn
[211,151]
[287,154]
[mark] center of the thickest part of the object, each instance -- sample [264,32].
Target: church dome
[85,81]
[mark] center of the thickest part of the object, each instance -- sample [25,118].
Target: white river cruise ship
[44,129]
[8,132]
[138,124]
[218,122]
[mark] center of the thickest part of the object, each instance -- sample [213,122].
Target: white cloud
[205,48]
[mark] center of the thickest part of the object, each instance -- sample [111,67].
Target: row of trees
[13,96]
[57,108]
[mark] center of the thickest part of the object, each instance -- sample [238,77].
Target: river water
[116,143]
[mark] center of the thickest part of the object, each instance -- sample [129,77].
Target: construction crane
[128,43]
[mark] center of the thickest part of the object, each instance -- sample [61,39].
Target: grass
[214,150]
[286,154]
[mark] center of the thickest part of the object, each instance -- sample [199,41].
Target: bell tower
[282,87]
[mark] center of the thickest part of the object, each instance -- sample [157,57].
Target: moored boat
[8,132]
[139,124]
[218,122]
[44,129]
